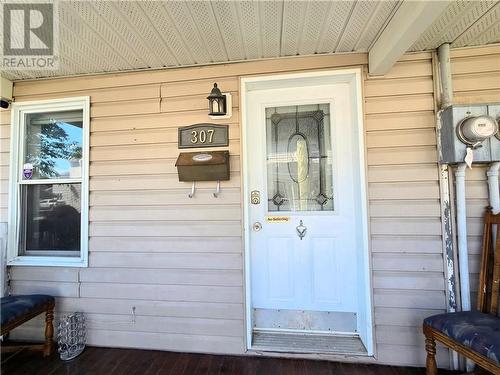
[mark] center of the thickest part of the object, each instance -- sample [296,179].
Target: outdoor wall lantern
[219,104]
[216,102]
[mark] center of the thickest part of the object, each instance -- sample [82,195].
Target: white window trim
[16,146]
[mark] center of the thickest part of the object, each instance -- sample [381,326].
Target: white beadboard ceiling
[106,36]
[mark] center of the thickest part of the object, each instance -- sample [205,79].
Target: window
[48,221]
[299,158]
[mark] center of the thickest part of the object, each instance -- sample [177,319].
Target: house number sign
[203,135]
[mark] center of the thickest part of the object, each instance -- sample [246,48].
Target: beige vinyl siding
[476,191]
[407,260]
[179,261]
[4,163]
[4,191]
[476,75]
[476,79]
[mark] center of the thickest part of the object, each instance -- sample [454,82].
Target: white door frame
[352,77]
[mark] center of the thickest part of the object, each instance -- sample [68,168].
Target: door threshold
[305,342]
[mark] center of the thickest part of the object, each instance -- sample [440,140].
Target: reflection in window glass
[53,145]
[299,158]
[51,217]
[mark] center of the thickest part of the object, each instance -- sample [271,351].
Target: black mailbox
[203,166]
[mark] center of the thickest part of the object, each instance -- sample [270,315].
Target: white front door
[304,224]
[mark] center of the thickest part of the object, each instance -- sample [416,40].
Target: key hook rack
[193,190]
[217,189]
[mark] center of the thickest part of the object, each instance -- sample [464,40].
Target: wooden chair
[16,310]
[474,334]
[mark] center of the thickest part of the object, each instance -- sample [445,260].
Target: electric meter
[469,130]
[474,130]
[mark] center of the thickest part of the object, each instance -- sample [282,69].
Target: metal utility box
[452,149]
[203,166]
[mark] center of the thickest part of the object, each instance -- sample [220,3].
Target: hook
[217,190]
[193,190]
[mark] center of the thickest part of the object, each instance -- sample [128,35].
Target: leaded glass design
[299,158]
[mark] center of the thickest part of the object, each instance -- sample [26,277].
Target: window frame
[18,129]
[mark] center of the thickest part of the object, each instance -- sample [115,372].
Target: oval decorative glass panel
[298,156]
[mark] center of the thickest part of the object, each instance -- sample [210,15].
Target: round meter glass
[484,126]
[476,129]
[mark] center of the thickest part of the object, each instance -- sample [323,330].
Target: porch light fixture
[216,102]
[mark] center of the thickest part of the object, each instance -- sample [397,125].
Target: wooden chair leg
[430,348]
[49,332]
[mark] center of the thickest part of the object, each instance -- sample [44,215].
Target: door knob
[256,226]
[301,230]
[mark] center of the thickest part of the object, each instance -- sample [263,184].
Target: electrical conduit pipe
[463,253]
[493,187]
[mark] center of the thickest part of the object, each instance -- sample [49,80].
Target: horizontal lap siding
[476,75]
[405,225]
[4,164]
[476,79]
[476,191]
[180,260]
[4,186]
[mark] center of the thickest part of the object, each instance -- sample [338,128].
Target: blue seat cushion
[478,331]
[14,307]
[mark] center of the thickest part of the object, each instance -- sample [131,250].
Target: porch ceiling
[104,36]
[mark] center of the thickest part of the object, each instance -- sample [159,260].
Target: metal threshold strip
[299,342]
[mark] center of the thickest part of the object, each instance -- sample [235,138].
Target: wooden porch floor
[109,361]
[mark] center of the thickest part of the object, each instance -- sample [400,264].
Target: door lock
[256,226]
[255,197]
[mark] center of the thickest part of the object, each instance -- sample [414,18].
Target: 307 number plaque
[203,135]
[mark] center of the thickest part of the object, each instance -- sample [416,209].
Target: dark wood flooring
[109,361]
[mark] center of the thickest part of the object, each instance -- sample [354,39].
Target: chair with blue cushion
[16,310]
[474,334]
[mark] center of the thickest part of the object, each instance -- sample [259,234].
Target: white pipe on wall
[494,191]
[445,88]
[446,97]
[445,75]
[463,260]
[493,186]
[447,228]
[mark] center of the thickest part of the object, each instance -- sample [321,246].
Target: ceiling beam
[406,26]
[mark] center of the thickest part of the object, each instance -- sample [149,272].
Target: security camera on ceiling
[5,92]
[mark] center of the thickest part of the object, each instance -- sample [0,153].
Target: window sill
[48,261]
